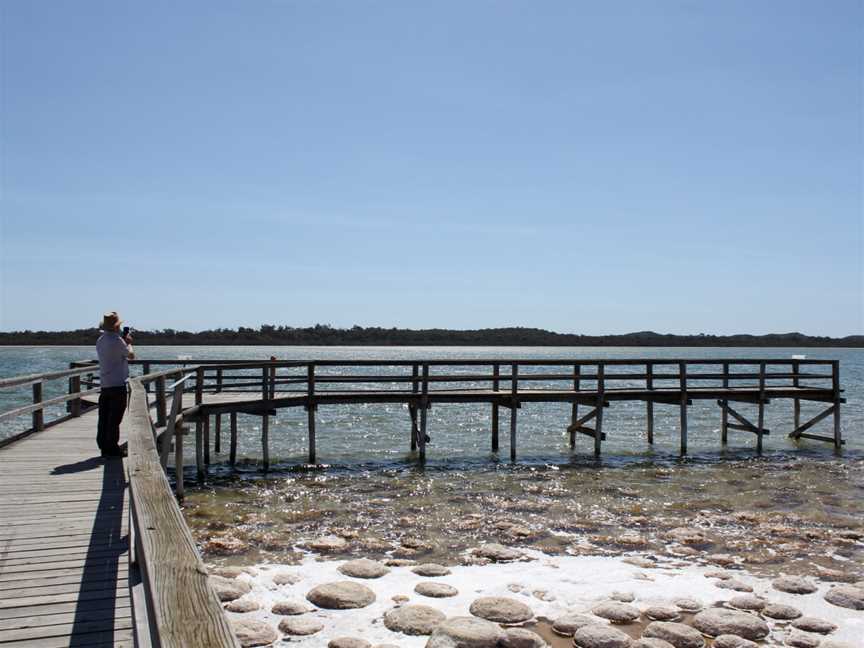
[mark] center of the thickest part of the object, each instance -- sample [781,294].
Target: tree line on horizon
[326,335]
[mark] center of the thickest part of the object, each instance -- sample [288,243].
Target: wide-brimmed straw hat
[110,321]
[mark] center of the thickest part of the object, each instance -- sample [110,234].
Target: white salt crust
[576,582]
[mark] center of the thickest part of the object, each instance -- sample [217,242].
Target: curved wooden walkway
[64,541]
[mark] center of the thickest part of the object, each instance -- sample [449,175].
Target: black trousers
[112,406]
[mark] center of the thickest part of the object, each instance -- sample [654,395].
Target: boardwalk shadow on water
[103,576]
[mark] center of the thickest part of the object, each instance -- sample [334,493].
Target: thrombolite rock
[716,573]
[616,612]
[793,585]
[290,608]
[781,612]
[327,544]
[435,590]
[662,613]
[623,597]
[399,599]
[399,562]
[798,639]
[834,643]
[430,570]
[749,602]
[242,605]
[733,584]
[413,619]
[568,624]
[522,638]
[252,633]
[348,642]
[466,632]
[687,536]
[640,561]
[301,626]
[227,572]
[651,642]
[501,609]
[733,641]
[601,636]
[228,589]
[812,624]
[847,596]
[719,621]
[286,578]
[341,595]
[678,634]
[688,604]
[364,568]
[497,552]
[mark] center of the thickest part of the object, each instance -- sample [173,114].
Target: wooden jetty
[96,552]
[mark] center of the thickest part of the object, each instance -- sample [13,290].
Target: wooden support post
[412,408]
[724,412]
[218,380]
[145,369]
[265,423]
[75,386]
[199,453]
[38,415]
[161,406]
[761,418]
[682,377]
[574,410]
[649,405]
[206,441]
[232,457]
[601,398]
[424,407]
[514,407]
[171,427]
[310,408]
[179,479]
[835,386]
[217,442]
[796,406]
[272,382]
[199,385]
[496,386]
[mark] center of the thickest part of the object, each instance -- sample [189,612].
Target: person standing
[114,351]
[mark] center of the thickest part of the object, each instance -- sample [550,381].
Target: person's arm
[127,344]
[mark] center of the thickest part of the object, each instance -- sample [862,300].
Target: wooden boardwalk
[64,541]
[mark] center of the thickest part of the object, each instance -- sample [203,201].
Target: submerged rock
[812,624]
[846,596]
[781,612]
[286,578]
[662,613]
[640,561]
[601,636]
[227,572]
[364,568]
[228,589]
[749,602]
[341,595]
[522,638]
[327,544]
[290,608]
[719,621]
[616,612]
[253,633]
[733,641]
[300,626]
[242,605]
[568,624]
[733,584]
[413,619]
[677,634]
[798,639]
[651,642]
[501,609]
[623,597]
[688,604]
[435,590]
[793,585]
[466,632]
[430,570]
[348,642]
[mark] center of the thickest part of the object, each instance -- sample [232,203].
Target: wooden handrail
[182,609]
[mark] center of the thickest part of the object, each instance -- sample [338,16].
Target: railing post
[574,410]
[232,457]
[199,427]
[682,379]
[38,415]
[649,406]
[514,406]
[724,413]
[145,368]
[75,387]
[761,424]
[835,387]
[601,403]
[161,408]
[265,421]
[496,374]
[218,380]
[796,403]
[272,382]
[310,408]
[424,405]
[412,407]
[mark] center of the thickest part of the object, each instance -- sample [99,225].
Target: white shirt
[113,364]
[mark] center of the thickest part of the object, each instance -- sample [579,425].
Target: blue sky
[580,166]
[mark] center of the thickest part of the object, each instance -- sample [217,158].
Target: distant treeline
[325,335]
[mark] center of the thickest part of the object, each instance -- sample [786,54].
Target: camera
[126,330]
